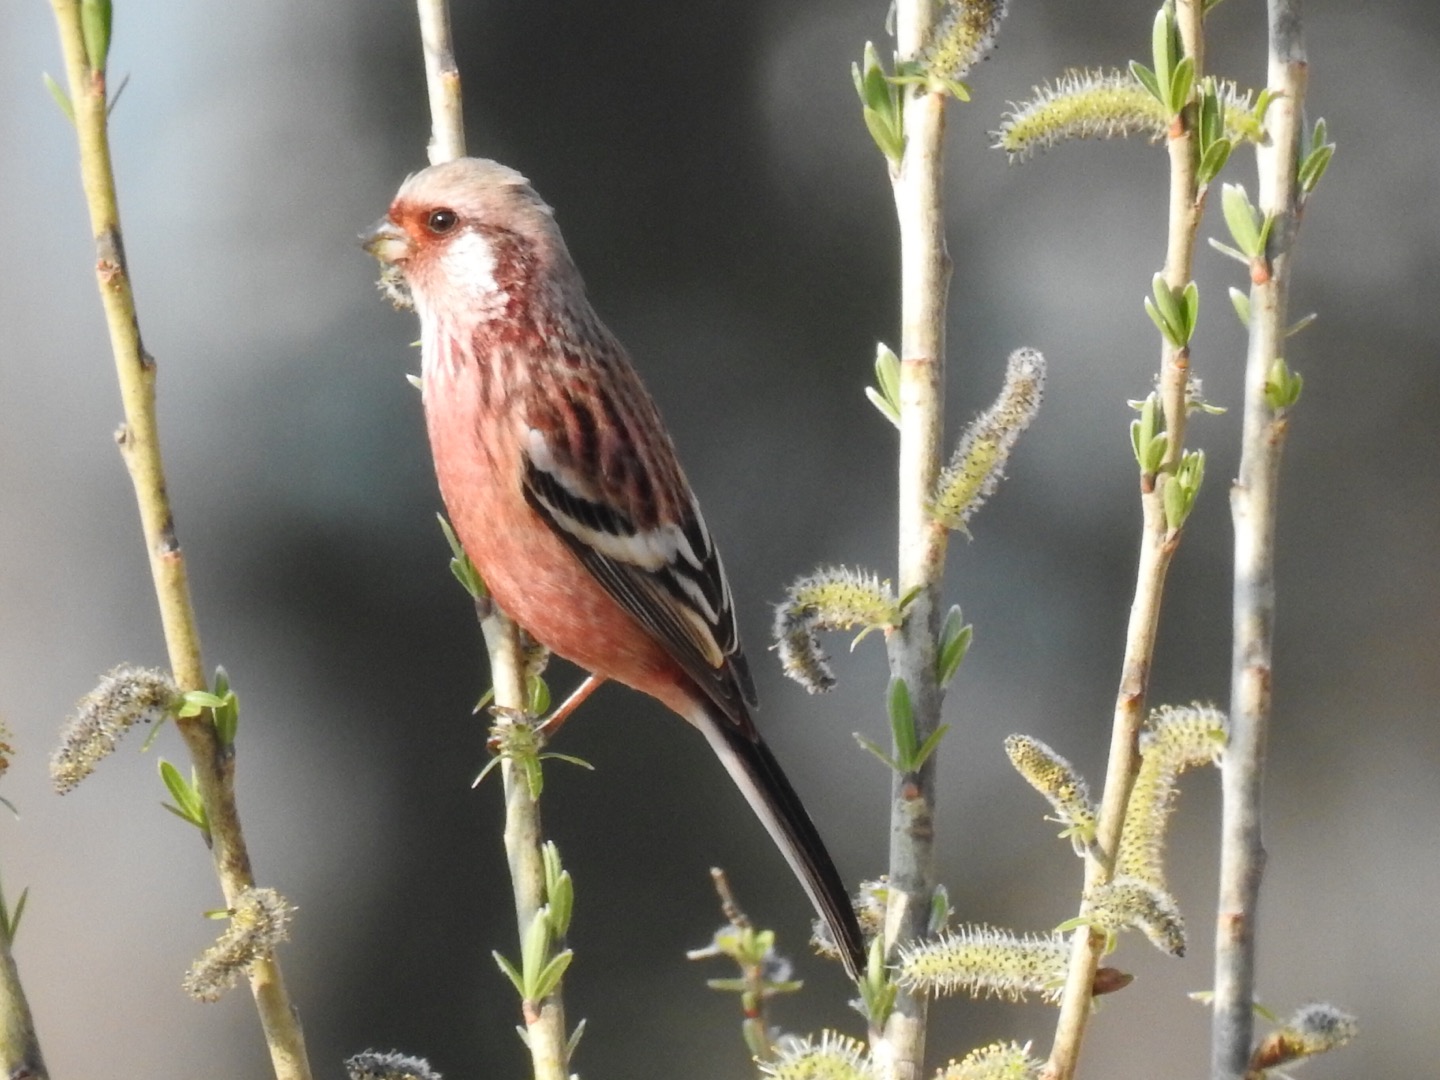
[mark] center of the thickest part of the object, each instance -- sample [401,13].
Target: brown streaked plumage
[563,486]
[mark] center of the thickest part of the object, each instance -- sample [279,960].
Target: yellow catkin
[833,598]
[979,460]
[964,35]
[1098,104]
[998,1061]
[984,961]
[1055,778]
[834,1057]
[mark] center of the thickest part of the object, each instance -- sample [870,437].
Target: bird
[562,483]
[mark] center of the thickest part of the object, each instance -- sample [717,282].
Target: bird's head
[470,232]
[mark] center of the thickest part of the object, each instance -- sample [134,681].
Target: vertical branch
[1158,542]
[139,440]
[925,280]
[1253,506]
[524,836]
[20,1054]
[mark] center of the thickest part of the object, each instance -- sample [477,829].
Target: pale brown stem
[925,281]
[139,440]
[524,835]
[1157,547]
[1253,502]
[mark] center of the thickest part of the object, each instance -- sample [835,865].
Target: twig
[140,447]
[1253,506]
[1157,547]
[925,281]
[20,1054]
[544,1021]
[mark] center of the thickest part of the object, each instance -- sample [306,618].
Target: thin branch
[1157,547]
[20,1054]
[925,281]
[524,837]
[1253,506]
[140,447]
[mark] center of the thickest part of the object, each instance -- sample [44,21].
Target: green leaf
[954,644]
[1282,386]
[96,17]
[226,715]
[415,381]
[1190,309]
[902,721]
[188,804]
[887,379]
[1182,489]
[61,98]
[460,564]
[1241,302]
[875,748]
[537,695]
[1213,160]
[884,129]
[1300,324]
[1182,79]
[1146,78]
[928,747]
[886,409]
[1316,160]
[550,975]
[1243,220]
[509,969]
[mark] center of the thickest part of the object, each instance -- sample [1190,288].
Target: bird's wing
[668,575]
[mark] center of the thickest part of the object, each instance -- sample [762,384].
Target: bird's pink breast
[529,569]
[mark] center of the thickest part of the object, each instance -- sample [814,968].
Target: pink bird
[563,486]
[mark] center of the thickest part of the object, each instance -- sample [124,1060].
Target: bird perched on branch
[562,483]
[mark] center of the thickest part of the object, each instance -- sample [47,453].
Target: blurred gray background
[709,167]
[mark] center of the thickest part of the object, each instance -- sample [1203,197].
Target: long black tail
[759,776]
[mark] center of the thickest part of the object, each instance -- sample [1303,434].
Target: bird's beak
[386,241]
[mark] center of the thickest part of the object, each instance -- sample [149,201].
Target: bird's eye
[442,221]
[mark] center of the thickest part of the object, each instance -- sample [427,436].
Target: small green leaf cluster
[518,737]
[1315,157]
[1249,228]
[222,703]
[885,394]
[1174,312]
[188,805]
[1282,386]
[880,105]
[541,967]
[460,564]
[910,753]
[1173,76]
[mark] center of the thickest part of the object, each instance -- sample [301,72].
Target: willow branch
[524,836]
[20,1054]
[1253,507]
[1157,547]
[925,281]
[139,441]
